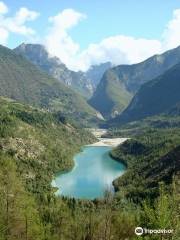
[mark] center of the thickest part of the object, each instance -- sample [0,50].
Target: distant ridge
[120,83]
[82,82]
[37,54]
[161,95]
[24,82]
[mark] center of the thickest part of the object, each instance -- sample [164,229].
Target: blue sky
[138,19]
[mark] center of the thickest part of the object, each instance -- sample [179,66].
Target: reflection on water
[94,172]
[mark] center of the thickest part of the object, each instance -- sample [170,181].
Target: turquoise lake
[92,174]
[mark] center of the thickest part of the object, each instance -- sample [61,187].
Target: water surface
[93,173]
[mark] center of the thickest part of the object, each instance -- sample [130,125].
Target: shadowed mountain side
[155,97]
[126,81]
[24,82]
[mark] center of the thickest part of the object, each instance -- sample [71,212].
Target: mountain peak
[33,51]
[24,82]
[111,95]
[38,55]
[82,82]
[158,96]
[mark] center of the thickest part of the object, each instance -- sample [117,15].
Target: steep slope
[38,55]
[154,97]
[174,111]
[110,97]
[24,82]
[31,134]
[131,77]
[95,73]
[152,157]
[34,146]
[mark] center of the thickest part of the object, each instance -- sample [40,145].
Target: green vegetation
[155,97]
[19,218]
[95,72]
[110,97]
[163,213]
[151,158]
[39,141]
[38,55]
[134,128]
[34,144]
[120,83]
[24,82]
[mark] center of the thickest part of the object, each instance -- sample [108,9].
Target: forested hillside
[34,144]
[89,120]
[24,82]
[120,83]
[151,158]
[155,97]
[38,55]
[110,97]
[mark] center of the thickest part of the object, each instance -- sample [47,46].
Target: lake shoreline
[98,156]
[108,142]
[103,141]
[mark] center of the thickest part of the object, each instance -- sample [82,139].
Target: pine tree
[18,216]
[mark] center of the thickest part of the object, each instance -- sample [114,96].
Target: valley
[104,141]
[94,169]
[88,162]
[121,83]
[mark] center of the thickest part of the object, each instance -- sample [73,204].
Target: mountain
[95,73]
[110,97]
[127,80]
[34,146]
[36,135]
[83,82]
[155,97]
[38,55]
[24,82]
[174,111]
[151,158]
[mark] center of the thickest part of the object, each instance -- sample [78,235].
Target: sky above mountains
[82,33]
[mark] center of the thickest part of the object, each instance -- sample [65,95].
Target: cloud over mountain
[118,49]
[58,41]
[171,35]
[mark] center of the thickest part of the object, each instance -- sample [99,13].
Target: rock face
[38,55]
[161,95]
[95,73]
[110,97]
[125,80]
[23,81]
[83,82]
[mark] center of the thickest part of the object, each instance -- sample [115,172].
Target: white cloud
[3,8]
[15,24]
[66,19]
[58,41]
[117,49]
[24,15]
[171,35]
[3,36]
